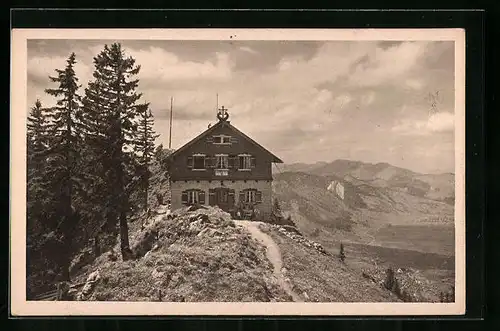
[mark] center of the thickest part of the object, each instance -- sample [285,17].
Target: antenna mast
[170,133]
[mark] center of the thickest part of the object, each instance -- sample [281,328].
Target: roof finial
[222,114]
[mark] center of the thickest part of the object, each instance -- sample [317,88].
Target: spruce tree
[62,167]
[38,193]
[145,148]
[111,102]
[37,130]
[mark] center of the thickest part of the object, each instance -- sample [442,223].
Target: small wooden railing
[54,294]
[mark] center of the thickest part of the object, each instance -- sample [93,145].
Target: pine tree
[36,130]
[342,253]
[113,126]
[65,142]
[145,148]
[277,215]
[37,192]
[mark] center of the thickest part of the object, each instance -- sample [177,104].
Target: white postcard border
[21,307]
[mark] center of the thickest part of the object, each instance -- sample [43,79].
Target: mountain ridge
[438,187]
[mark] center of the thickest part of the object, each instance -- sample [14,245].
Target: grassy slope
[324,278]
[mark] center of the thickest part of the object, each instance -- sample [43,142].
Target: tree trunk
[122,207]
[124,242]
[146,184]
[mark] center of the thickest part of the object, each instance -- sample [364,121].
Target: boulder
[89,286]
[144,242]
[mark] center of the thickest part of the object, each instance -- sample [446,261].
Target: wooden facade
[222,166]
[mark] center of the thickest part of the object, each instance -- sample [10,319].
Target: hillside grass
[323,277]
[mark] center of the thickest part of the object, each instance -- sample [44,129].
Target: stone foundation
[264,186]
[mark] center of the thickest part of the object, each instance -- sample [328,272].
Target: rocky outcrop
[337,188]
[295,235]
[89,286]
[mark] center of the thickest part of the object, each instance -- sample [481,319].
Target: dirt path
[273,254]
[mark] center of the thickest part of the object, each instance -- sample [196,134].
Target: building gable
[238,142]
[224,152]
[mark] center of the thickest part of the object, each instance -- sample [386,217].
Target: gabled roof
[205,133]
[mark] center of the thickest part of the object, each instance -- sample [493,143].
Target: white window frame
[250,196]
[193,197]
[221,139]
[248,159]
[221,157]
[204,162]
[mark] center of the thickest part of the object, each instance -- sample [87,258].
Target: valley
[385,216]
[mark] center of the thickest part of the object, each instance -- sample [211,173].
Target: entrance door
[222,197]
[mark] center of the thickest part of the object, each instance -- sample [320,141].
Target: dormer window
[222,140]
[196,162]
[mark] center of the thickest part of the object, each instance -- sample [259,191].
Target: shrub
[389,279]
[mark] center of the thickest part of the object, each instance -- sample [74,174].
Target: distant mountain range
[439,187]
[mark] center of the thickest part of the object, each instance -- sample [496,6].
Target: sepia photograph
[237,172]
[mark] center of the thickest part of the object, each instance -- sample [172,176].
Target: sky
[305,101]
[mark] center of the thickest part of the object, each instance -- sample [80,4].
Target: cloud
[414,84]
[247,49]
[342,101]
[368,98]
[304,101]
[388,64]
[441,122]
[162,66]
[41,67]
[436,123]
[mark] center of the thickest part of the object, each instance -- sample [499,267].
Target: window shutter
[234,140]
[242,196]
[211,197]
[210,139]
[201,197]
[252,162]
[184,197]
[189,161]
[230,161]
[208,161]
[231,197]
[237,161]
[258,196]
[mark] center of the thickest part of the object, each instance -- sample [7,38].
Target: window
[221,161]
[192,197]
[251,196]
[246,162]
[197,162]
[222,140]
